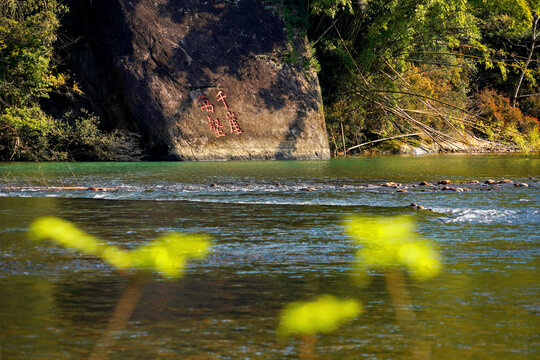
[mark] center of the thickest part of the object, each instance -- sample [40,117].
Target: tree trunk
[529,58]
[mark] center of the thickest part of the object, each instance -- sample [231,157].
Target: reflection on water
[275,242]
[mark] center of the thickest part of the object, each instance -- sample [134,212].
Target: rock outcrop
[202,80]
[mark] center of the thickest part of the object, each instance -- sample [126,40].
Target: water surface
[277,238]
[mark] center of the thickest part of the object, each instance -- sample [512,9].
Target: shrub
[503,123]
[30,134]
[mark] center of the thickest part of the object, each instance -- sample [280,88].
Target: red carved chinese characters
[205,103]
[206,106]
[215,124]
[233,122]
[221,97]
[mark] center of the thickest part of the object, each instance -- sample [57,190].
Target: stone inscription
[215,124]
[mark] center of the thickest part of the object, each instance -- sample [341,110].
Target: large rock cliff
[202,80]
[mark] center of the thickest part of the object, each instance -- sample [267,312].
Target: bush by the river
[30,134]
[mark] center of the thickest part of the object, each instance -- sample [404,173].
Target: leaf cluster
[390,243]
[28,30]
[166,255]
[324,314]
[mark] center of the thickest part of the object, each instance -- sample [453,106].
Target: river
[277,237]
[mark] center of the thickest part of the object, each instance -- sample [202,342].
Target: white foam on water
[265,202]
[100,196]
[483,216]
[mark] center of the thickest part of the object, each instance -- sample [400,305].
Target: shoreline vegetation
[410,76]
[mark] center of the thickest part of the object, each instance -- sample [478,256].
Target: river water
[277,237]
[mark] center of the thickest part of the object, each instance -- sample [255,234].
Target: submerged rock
[202,80]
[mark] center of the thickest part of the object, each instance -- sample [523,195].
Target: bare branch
[379,140]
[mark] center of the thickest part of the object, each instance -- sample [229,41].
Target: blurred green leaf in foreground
[391,242]
[166,255]
[322,315]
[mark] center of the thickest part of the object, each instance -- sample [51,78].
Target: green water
[274,242]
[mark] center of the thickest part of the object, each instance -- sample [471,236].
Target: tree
[407,66]
[28,75]
[27,71]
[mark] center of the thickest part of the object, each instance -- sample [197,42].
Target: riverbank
[471,146]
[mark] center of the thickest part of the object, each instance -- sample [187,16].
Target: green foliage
[322,315]
[26,120]
[330,7]
[166,255]
[80,138]
[27,133]
[510,33]
[27,34]
[391,67]
[390,243]
[28,74]
[510,17]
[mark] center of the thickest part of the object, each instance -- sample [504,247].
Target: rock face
[202,80]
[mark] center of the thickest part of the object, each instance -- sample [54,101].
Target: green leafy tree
[28,75]
[27,72]
[511,29]
[410,66]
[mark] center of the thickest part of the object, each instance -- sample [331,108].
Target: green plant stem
[400,298]
[122,313]
[404,313]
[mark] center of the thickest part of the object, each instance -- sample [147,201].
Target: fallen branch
[379,140]
[55,188]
